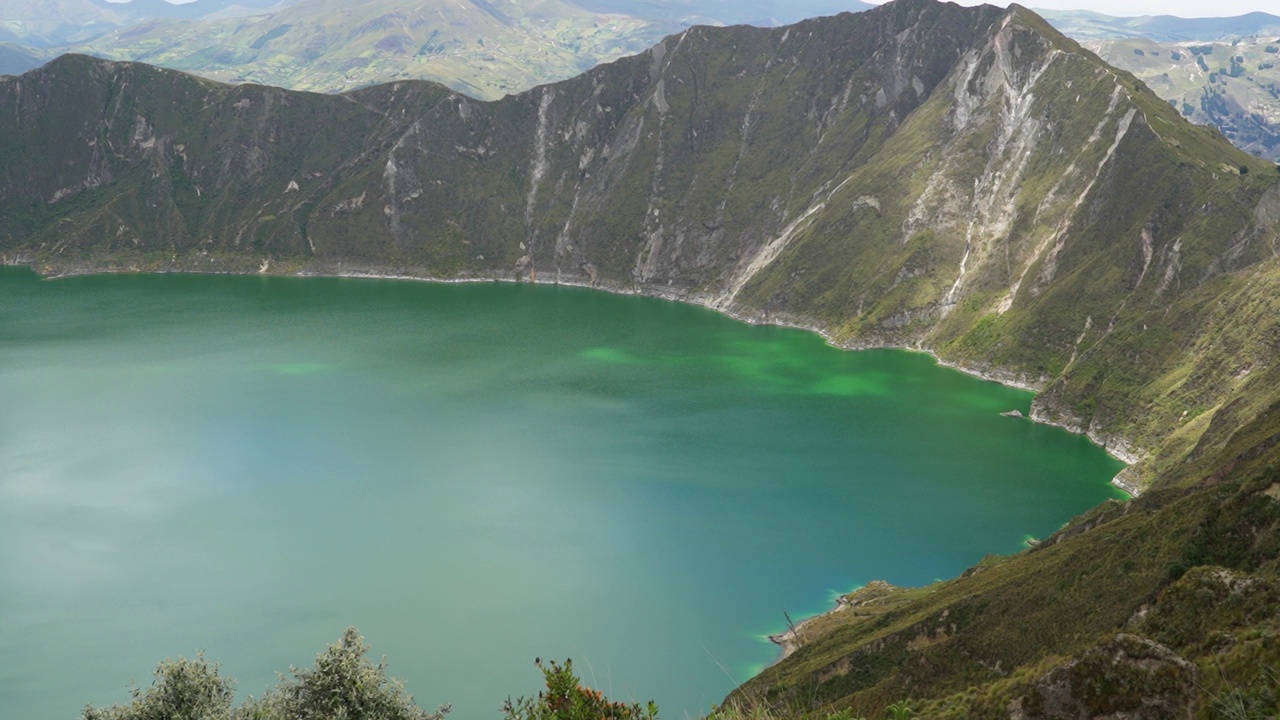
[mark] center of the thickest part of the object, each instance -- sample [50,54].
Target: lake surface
[472,475]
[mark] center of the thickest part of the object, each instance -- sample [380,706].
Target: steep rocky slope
[964,180]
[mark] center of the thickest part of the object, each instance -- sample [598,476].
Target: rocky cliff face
[959,179]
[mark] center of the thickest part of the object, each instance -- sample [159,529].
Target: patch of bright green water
[474,476]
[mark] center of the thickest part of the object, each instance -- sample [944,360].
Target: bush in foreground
[343,685]
[567,699]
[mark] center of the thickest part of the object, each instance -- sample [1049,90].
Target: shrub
[182,690]
[900,710]
[567,699]
[1255,701]
[343,685]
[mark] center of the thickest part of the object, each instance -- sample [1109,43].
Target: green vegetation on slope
[1160,606]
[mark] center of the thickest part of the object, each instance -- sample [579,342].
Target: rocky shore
[861,600]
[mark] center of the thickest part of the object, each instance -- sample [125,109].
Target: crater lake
[473,475]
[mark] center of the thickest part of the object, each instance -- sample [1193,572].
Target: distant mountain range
[766,13]
[1086,25]
[485,48]
[16,59]
[490,48]
[60,23]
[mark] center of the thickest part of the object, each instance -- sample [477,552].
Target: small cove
[473,475]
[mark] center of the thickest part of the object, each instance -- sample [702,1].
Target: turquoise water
[474,476]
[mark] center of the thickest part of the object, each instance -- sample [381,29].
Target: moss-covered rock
[1128,678]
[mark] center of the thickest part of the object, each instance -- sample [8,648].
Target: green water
[474,476]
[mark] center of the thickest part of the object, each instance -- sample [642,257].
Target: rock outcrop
[1127,678]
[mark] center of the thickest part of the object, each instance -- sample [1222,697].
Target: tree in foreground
[343,685]
[182,690]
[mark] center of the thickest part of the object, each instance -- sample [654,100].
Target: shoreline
[1118,448]
[870,594]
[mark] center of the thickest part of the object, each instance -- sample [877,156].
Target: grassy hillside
[963,180]
[1161,607]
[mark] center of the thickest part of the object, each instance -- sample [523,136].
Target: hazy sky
[1125,8]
